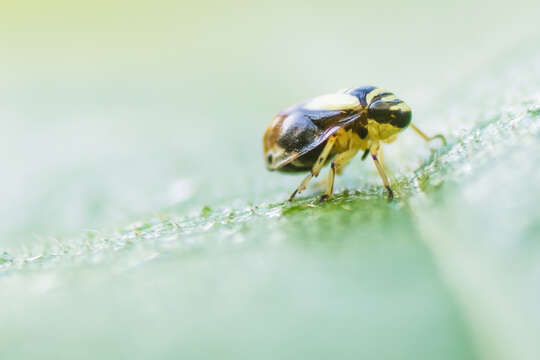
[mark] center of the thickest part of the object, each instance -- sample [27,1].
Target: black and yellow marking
[383,106]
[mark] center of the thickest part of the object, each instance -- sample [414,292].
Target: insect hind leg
[316,169]
[330,182]
[337,166]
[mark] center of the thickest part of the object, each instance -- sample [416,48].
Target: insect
[334,127]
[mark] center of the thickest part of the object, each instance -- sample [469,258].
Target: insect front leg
[380,169]
[427,138]
[316,169]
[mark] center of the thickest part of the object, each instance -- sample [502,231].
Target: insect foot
[390,193]
[323,198]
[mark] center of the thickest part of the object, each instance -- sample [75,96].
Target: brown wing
[299,131]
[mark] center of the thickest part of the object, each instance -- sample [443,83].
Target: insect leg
[316,169]
[365,154]
[427,138]
[337,166]
[343,160]
[374,151]
[330,183]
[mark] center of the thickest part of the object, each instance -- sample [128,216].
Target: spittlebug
[306,136]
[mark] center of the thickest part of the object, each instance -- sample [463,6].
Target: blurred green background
[138,221]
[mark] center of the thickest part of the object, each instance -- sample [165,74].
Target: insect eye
[269,158]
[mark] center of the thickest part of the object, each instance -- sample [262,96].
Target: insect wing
[328,123]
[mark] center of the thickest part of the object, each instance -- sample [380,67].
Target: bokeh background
[107,105]
[119,113]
